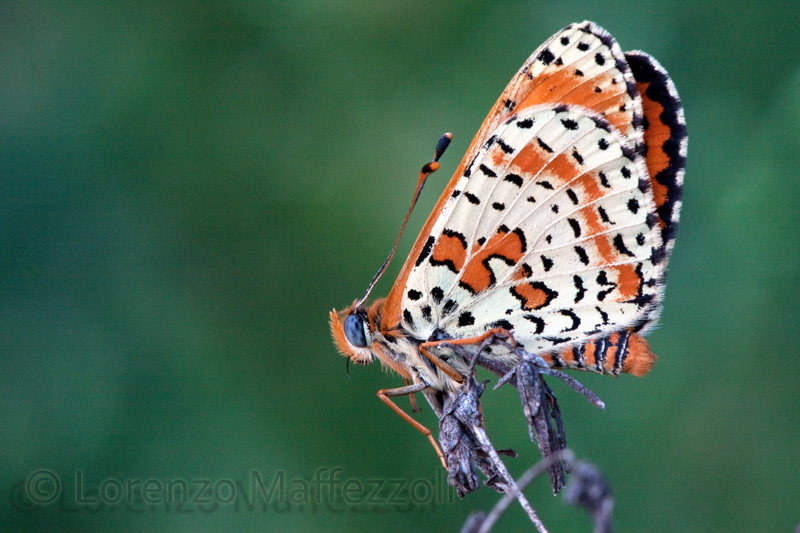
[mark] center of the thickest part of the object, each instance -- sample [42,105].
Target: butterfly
[555,230]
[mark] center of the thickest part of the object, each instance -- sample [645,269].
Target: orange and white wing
[665,140]
[547,229]
[549,233]
[581,65]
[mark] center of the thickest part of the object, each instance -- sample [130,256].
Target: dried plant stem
[524,480]
[513,490]
[468,448]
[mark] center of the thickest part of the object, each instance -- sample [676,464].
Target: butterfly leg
[414,408]
[447,368]
[384,395]
[492,333]
[442,365]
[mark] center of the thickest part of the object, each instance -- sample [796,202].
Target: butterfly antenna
[427,170]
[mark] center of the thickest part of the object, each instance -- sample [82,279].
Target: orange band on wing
[609,102]
[657,133]
[505,245]
[450,250]
[533,295]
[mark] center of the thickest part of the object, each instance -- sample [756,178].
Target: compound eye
[354,331]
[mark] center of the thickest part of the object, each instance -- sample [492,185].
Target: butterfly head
[353,332]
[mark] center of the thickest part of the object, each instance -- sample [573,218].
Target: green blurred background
[189,187]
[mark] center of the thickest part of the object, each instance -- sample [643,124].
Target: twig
[587,488]
[467,446]
[464,408]
[524,480]
[516,491]
[590,490]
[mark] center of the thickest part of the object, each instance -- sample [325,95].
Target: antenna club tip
[441,146]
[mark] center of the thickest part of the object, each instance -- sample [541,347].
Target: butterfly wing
[665,143]
[550,227]
[665,139]
[548,233]
[580,65]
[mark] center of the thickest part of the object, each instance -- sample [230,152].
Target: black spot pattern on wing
[516,179]
[466,319]
[546,56]
[437,294]
[576,320]
[537,321]
[502,323]
[581,290]
[543,146]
